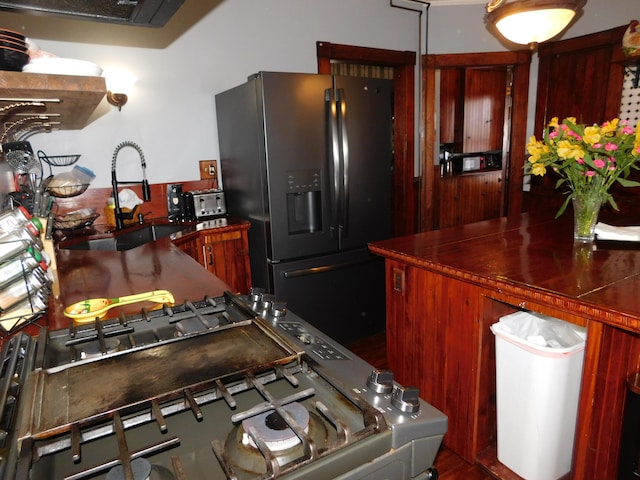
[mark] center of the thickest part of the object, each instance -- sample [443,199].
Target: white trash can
[538,375]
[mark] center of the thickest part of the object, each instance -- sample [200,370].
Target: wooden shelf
[73,98]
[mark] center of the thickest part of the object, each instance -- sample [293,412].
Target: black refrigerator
[308,159]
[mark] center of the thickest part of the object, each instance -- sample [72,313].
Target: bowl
[13,34]
[12,59]
[8,42]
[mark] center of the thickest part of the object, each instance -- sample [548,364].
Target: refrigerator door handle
[333,149]
[324,268]
[343,214]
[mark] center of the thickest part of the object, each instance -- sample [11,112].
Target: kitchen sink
[125,240]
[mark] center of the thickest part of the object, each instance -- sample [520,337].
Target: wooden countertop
[533,258]
[157,265]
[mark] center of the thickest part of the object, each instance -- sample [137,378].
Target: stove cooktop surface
[231,387]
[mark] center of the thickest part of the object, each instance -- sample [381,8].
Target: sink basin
[126,240]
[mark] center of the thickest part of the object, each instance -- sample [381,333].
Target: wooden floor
[449,465]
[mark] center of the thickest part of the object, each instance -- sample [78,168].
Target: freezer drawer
[342,294]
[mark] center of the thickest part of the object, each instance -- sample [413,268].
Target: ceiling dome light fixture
[529,22]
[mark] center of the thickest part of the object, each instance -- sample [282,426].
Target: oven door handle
[324,268]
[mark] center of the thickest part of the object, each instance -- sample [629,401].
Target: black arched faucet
[146,190]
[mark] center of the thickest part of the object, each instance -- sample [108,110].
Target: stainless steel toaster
[204,204]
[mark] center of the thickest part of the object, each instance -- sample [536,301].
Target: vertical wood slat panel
[451,108]
[422,324]
[484,101]
[597,437]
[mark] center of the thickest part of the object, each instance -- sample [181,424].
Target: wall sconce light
[529,22]
[119,86]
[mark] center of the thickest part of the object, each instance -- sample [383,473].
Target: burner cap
[140,466]
[273,430]
[142,470]
[93,349]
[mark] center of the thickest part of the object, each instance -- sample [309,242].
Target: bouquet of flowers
[588,159]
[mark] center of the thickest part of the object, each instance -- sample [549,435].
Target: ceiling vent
[150,13]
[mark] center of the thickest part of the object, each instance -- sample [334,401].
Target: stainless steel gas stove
[223,388]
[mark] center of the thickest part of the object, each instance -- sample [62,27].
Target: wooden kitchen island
[444,290]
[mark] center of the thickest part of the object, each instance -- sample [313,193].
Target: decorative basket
[77,219]
[68,190]
[129,217]
[58,160]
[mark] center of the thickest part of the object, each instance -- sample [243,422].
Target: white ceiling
[438,3]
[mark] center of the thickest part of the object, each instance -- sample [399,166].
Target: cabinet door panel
[433,343]
[470,198]
[484,102]
[226,255]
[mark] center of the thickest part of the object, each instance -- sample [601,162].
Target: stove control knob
[406,399]
[255,294]
[380,381]
[266,300]
[278,309]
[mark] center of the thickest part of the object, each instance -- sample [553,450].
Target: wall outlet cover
[208,170]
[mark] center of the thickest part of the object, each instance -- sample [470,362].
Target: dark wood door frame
[405,218]
[514,168]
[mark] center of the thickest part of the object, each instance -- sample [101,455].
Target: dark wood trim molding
[513,170]
[403,62]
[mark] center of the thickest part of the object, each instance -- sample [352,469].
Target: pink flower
[590,173]
[580,161]
[599,163]
[553,134]
[627,130]
[610,147]
[597,145]
[573,134]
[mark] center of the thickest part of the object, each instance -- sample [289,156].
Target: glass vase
[585,216]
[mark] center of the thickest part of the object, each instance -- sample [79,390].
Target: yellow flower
[554,122]
[538,169]
[533,147]
[567,150]
[610,126]
[591,135]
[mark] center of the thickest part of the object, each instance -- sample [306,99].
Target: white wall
[171,113]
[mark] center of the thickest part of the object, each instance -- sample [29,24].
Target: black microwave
[476,161]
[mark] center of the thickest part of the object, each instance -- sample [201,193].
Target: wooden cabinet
[69,100]
[224,251]
[189,245]
[468,198]
[226,254]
